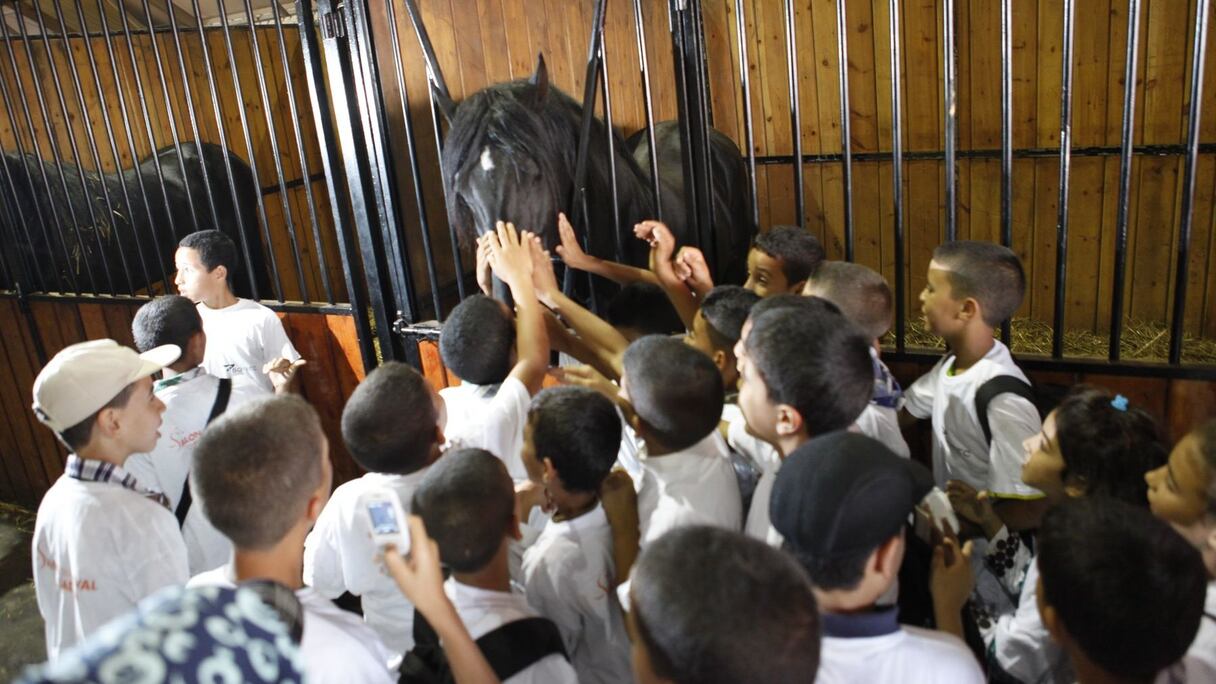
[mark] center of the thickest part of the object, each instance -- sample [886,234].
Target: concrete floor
[21,638]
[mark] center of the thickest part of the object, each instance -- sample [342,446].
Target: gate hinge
[333,23]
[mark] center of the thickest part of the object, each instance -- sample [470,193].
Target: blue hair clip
[1119,402]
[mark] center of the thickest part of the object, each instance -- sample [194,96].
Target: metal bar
[610,134]
[365,311]
[453,239]
[198,140]
[92,143]
[1057,325]
[846,134]
[1125,177]
[306,176]
[139,178]
[1006,137]
[256,51]
[371,106]
[16,219]
[703,156]
[1178,322]
[411,147]
[683,106]
[433,72]
[791,64]
[253,162]
[63,183]
[126,195]
[639,24]
[172,118]
[242,229]
[1022,153]
[898,181]
[151,137]
[588,103]
[950,107]
[1090,367]
[12,187]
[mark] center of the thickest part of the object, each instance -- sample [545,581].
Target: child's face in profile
[758,410]
[1177,491]
[938,305]
[764,274]
[193,280]
[1044,466]
[139,421]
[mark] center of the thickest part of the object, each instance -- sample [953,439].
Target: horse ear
[540,79]
[446,105]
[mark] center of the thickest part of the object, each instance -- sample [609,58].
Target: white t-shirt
[959,449]
[340,556]
[188,400]
[98,550]
[1199,663]
[490,418]
[568,574]
[241,340]
[695,486]
[758,524]
[882,423]
[483,610]
[873,647]
[337,646]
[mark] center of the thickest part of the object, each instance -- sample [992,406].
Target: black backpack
[509,650]
[1044,397]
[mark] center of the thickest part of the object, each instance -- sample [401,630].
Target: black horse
[510,154]
[74,241]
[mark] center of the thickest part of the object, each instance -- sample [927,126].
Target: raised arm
[573,255]
[511,260]
[662,246]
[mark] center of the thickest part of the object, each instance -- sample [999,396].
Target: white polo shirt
[188,398]
[959,449]
[337,646]
[490,417]
[340,556]
[99,548]
[241,340]
[695,486]
[874,647]
[568,576]
[483,610]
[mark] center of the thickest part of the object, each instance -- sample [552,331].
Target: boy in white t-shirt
[467,501]
[261,474]
[246,341]
[393,427]
[500,360]
[570,445]
[864,297]
[102,541]
[971,288]
[192,398]
[804,370]
[841,503]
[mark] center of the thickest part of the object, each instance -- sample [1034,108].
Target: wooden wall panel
[31,458]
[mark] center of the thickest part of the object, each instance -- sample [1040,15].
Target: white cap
[85,377]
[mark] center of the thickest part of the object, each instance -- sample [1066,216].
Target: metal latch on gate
[333,24]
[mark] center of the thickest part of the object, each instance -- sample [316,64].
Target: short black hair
[725,309]
[171,319]
[78,435]
[813,359]
[389,421]
[989,273]
[798,251]
[714,606]
[1128,588]
[255,468]
[861,293]
[579,430]
[467,501]
[832,573]
[676,389]
[644,307]
[792,301]
[214,249]
[477,340]
[1106,449]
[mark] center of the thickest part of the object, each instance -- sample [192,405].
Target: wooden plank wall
[487,41]
[159,115]
[31,458]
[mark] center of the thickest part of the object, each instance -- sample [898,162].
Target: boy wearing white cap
[101,541]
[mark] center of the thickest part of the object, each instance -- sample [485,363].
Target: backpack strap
[516,645]
[994,387]
[221,404]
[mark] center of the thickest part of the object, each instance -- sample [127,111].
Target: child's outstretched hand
[691,267]
[950,579]
[543,278]
[974,506]
[484,273]
[509,255]
[282,373]
[570,250]
[586,376]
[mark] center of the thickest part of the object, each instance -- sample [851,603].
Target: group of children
[734,503]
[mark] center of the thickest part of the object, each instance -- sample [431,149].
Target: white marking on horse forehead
[487,161]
